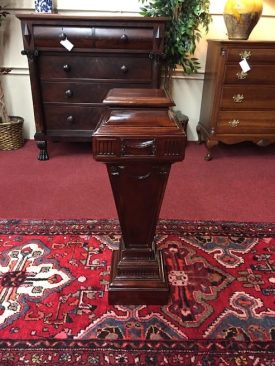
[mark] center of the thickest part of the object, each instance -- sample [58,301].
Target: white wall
[187,90]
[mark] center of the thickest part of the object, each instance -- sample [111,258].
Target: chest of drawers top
[140,34]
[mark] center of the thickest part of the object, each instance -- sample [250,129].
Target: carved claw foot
[43,153]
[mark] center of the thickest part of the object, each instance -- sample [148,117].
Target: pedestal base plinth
[138,281]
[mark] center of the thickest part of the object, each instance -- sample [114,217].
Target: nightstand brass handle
[69,93]
[245,54]
[124,69]
[234,122]
[241,75]
[238,98]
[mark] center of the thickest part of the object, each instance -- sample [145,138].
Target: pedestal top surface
[138,97]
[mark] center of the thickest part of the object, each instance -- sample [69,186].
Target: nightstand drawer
[253,122]
[96,67]
[71,117]
[248,97]
[259,74]
[80,92]
[252,55]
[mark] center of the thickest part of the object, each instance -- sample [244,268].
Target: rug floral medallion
[54,279]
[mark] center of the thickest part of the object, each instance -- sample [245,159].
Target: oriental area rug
[53,296]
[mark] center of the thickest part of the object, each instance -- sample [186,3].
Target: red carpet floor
[237,185]
[54,279]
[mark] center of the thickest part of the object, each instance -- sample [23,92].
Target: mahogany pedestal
[138,139]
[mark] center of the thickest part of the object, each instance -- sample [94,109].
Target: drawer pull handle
[138,148]
[70,119]
[234,122]
[245,54]
[124,37]
[69,93]
[124,69]
[241,75]
[62,36]
[66,68]
[238,98]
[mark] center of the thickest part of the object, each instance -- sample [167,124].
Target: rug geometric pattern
[54,309]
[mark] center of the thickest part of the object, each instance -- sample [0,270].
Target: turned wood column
[138,139]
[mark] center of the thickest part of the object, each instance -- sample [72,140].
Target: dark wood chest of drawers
[68,87]
[238,105]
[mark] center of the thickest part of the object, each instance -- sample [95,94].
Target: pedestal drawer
[96,67]
[71,117]
[248,97]
[253,122]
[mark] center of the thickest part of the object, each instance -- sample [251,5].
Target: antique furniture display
[74,61]
[138,139]
[239,93]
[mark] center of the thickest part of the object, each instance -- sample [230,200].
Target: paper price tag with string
[67,44]
[244,65]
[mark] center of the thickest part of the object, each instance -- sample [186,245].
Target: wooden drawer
[248,97]
[263,74]
[80,92]
[94,37]
[124,38]
[50,36]
[96,67]
[255,55]
[238,122]
[71,117]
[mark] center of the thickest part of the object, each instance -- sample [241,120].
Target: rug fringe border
[199,345]
[111,226]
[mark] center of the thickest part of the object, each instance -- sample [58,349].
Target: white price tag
[244,65]
[67,44]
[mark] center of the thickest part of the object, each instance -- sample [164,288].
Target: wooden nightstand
[236,105]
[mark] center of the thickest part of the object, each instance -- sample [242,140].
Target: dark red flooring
[237,185]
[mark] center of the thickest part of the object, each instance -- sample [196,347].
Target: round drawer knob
[70,119]
[66,68]
[124,69]
[124,37]
[69,93]
[62,36]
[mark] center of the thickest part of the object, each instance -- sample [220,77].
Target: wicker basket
[11,134]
